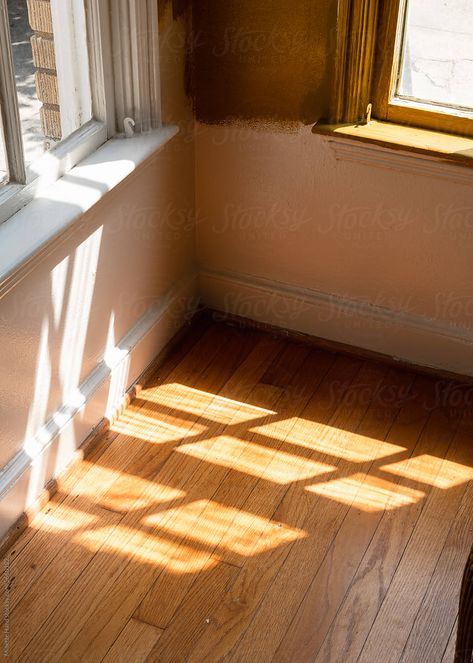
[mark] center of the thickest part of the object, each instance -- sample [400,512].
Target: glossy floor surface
[260,500]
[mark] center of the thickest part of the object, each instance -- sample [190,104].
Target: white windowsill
[52,165]
[34,230]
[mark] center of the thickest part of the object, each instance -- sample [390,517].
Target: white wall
[123,279]
[347,242]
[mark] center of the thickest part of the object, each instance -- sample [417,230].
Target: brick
[39,14]
[51,122]
[43,52]
[46,87]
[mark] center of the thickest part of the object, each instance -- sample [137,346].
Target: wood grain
[414,574]
[259,500]
[231,539]
[437,614]
[330,584]
[134,643]
[422,432]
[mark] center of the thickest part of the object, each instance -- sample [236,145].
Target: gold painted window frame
[369,40]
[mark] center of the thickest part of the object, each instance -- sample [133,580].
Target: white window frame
[112,48]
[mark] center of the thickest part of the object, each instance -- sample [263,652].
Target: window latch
[128,125]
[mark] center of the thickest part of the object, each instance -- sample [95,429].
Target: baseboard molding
[103,395]
[409,338]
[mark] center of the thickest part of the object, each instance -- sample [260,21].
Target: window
[426,76]
[72,74]
[46,88]
[405,61]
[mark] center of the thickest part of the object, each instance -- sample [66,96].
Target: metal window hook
[129,126]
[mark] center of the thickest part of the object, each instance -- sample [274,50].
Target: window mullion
[70,45]
[356,38]
[98,18]
[9,103]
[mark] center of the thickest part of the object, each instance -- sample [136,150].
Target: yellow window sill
[457,149]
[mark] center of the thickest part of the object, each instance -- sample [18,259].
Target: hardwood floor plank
[436,618]
[414,573]
[181,556]
[259,577]
[449,653]
[91,478]
[127,544]
[231,525]
[268,494]
[177,366]
[260,500]
[146,458]
[134,643]
[200,610]
[356,453]
[417,429]
[328,587]
[193,515]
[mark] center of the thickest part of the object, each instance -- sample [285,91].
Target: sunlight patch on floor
[255,459]
[144,547]
[367,493]
[431,470]
[64,519]
[124,492]
[207,522]
[138,495]
[332,441]
[192,400]
[152,429]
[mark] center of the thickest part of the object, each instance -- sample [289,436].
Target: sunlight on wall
[78,313]
[39,404]
[74,337]
[58,289]
[254,459]
[37,413]
[431,470]
[368,493]
[118,360]
[40,431]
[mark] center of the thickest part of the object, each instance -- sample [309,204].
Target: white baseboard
[403,336]
[48,453]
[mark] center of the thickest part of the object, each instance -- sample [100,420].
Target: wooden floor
[260,501]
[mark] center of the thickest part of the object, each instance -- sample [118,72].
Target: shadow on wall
[264,63]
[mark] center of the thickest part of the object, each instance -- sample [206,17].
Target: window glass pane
[29,104]
[437,53]
[36,72]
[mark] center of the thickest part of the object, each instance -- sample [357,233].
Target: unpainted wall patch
[179,7]
[259,61]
